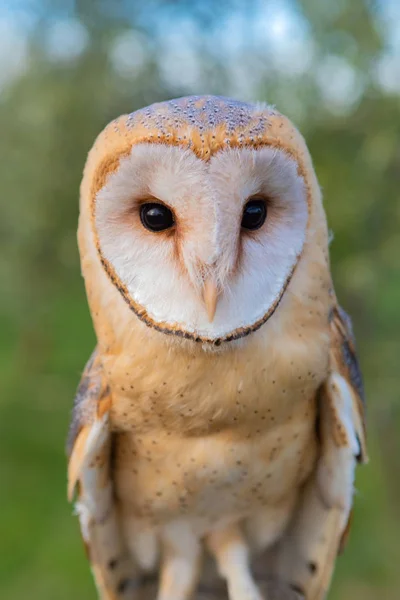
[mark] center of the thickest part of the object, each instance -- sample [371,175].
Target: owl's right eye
[156,217]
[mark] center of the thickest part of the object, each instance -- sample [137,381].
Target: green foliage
[49,118]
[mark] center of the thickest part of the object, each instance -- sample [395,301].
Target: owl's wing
[88,447]
[307,554]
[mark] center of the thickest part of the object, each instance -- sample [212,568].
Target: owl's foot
[245,590]
[180,568]
[232,555]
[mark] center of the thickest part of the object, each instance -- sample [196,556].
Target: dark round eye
[254,214]
[156,217]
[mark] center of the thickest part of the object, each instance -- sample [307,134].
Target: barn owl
[221,412]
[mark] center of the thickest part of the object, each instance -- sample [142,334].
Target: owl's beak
[210,297]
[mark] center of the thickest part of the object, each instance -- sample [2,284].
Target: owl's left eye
[254,214]
[156,217]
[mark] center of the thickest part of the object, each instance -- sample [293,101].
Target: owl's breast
[215,434]
[162,475]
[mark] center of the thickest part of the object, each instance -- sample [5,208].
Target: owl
[221,412]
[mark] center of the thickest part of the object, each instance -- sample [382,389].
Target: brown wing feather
[344,361]
[91,387]
[89,444]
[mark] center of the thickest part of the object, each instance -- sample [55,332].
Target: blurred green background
[66,69]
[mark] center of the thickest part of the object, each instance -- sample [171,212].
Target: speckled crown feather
[204,124]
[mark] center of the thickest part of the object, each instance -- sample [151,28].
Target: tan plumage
[200,428]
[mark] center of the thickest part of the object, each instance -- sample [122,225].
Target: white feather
[207,200]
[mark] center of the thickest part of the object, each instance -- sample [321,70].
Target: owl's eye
[254,214]
[156,217]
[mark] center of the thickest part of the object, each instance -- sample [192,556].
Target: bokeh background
[66,69]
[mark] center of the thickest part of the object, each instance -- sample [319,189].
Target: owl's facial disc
[204,250]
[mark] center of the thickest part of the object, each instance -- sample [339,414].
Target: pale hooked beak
[210,297]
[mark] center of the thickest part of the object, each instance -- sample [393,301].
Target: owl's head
[199,212]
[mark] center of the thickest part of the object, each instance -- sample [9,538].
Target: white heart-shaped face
[161,274]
